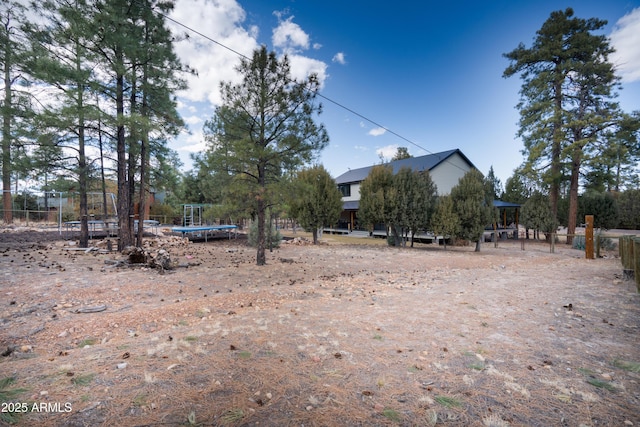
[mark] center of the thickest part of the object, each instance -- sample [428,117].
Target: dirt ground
[339,334]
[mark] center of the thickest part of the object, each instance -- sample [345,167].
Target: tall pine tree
[269,128]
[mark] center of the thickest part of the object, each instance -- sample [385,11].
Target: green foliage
[401,153]
[163,209]
[627,366]
[232,416]
[264,128]
[629,206]
[15,105]
[473,206]
[403,202]
[25,202]
[445,220]
[537,215]
[8,394]
[517,190]
[377,197]
[603,207]
[415,203]
[615,160]
[406,189]
[567,103]
[495,185]
[607,243]
[447,401]
[315,201]
[272,237]
[83,380]
[391,414]
[601,384]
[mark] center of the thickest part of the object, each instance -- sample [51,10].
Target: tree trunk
[82,177]
[124,233]
[133,157]
[556,147]
[315,236]
[82,159]
[573,195]
[144,142]
[260,255]
[6,140]
[103,181]
[478,246]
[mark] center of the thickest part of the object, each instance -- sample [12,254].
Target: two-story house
[445,169]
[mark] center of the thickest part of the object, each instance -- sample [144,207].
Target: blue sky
[428,72]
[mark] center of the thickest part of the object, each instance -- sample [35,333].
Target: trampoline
[200,231]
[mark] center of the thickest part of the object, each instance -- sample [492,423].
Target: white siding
[355,193]
[447,173]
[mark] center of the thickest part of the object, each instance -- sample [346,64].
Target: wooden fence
[629,247]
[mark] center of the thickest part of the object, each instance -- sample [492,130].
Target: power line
[338,104]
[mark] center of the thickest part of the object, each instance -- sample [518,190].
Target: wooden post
[588,236]
[627,256]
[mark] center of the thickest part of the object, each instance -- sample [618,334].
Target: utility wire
[319,94]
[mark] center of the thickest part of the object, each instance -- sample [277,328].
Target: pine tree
[316,201]
[63,63]
[565,98]
[424,204]
[495,185]
[14,104]
[473,205]
[269,128]
[445,221]
[401,153]
[537,215]
[377,198]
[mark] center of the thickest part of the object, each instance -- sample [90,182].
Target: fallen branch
[96,309]
[86,250]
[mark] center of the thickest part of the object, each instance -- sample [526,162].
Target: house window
[345,189]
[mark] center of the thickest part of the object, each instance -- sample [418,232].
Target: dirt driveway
[335,334]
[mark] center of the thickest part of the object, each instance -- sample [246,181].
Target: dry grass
[341,334]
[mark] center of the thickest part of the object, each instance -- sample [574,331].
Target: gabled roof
[420,164]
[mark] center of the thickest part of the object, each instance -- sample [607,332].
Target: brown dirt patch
[323,335]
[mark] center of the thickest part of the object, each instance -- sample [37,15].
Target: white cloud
[339,58]
[193,143]
[289,37]
[387,152]
[625,38]
[221,20]
[223,24]
[302,66]
[377,131]
[317,46]
[192,120]
[361,147]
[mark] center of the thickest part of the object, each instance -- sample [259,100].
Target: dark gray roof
[352,205]
[420,164]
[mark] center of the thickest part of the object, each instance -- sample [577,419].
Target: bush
[161,209]
[579,242]
[275,239]
[607,244]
